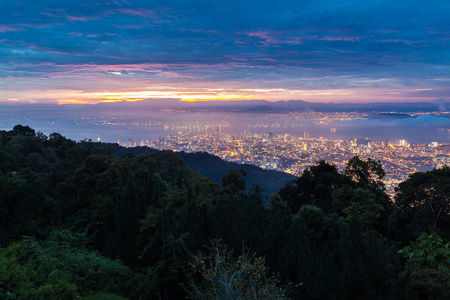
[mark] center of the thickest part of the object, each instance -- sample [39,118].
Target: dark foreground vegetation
[76,221]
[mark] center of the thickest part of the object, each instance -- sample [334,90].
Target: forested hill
[79,222]
[214,167]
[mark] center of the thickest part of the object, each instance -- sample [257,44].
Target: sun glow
[131,96]
[208,93]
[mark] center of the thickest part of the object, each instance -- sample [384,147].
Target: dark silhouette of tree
[234,181]
[23,130]
[424,200]
[314,187]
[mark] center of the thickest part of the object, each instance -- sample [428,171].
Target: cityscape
[293,153]
[288,142]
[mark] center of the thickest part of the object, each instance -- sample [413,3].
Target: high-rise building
[403,143]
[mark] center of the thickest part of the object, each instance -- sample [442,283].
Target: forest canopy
[76,221]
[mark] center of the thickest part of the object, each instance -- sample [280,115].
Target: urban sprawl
[294,154]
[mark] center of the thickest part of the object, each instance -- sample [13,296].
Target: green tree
[423,201]
[234,181]
[23,130]
[314,187]
[368,175]
[429,264]
[365,172]
[126,221]
[61,267]
[359,205]
[223,277]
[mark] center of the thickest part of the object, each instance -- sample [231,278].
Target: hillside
[77,221]
[215,168]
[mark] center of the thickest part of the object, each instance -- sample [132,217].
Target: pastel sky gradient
[313,50]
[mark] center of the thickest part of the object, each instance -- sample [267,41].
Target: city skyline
[293,155]
[320,51]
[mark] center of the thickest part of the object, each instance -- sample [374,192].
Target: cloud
[397,46]
[4,28]
[441,104]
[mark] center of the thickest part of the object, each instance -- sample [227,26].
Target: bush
[222,277]
[61,267]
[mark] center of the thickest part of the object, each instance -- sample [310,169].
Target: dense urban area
[293,154]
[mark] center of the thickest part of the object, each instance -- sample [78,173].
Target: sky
[74,51]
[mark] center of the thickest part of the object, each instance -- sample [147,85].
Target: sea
[112,127]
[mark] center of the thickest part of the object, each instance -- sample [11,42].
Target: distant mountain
[244,106]
[392,116]
[215,168]
[262,106]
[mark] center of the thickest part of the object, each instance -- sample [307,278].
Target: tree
[429,265]
[314,187]
[365,172]
[424,199]
[358,204]
[368,175]
[23,130]
[233,180]
[223,277]
[125,214]
[61,267]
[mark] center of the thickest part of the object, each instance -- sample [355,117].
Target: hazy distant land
[417,122]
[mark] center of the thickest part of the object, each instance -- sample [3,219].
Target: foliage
[61,267]
[425,200]
[233,180]
[365,172]
[428,250]
[359,206]
[314,187]
[103,296]
[223,277]
[429,264]
[74,218]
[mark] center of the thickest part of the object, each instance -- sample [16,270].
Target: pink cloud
[403,41]
[130,26]
[49,50]
[75,34]
[260,34]
[145,13]
[4,28]
[51,15]
[120,4]
[159,15]
[80,18]
[340,38]
[275,37]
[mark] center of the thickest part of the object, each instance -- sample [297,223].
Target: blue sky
[323,51]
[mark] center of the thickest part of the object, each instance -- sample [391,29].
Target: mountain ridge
[213,167]
[244,106]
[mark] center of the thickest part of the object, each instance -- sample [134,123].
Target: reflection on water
[152,125]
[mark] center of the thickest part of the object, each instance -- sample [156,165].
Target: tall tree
[314,187]
[424,200]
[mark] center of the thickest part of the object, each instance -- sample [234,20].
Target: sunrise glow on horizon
[321,51]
